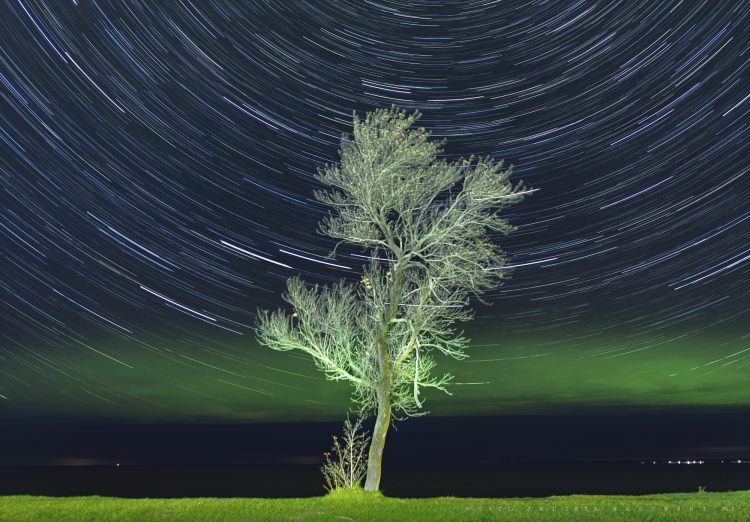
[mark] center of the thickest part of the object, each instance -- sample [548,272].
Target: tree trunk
[377,444]
[383,418]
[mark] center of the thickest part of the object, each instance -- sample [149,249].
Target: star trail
[156,181]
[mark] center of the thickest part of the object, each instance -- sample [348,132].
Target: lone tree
[428,227]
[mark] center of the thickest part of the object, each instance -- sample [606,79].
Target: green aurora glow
[250,383]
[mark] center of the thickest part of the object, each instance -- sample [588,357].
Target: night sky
[156,181]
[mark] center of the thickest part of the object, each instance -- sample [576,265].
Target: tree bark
[383,418]
[377,444]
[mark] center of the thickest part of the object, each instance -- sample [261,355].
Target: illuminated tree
[428,226]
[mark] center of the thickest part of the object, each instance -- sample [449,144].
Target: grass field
[361,506]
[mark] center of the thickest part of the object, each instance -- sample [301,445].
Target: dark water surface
[603,453]
[301,480]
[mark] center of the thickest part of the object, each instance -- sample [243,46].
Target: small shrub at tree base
[346,464]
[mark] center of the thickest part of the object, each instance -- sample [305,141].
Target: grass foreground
[362,506]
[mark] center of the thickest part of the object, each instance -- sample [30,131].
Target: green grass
[362,506]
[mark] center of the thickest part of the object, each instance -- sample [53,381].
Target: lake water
[299,480]
[431,456]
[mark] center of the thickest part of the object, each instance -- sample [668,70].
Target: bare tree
[428,226]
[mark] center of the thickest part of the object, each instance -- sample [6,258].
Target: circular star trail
[157,161]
